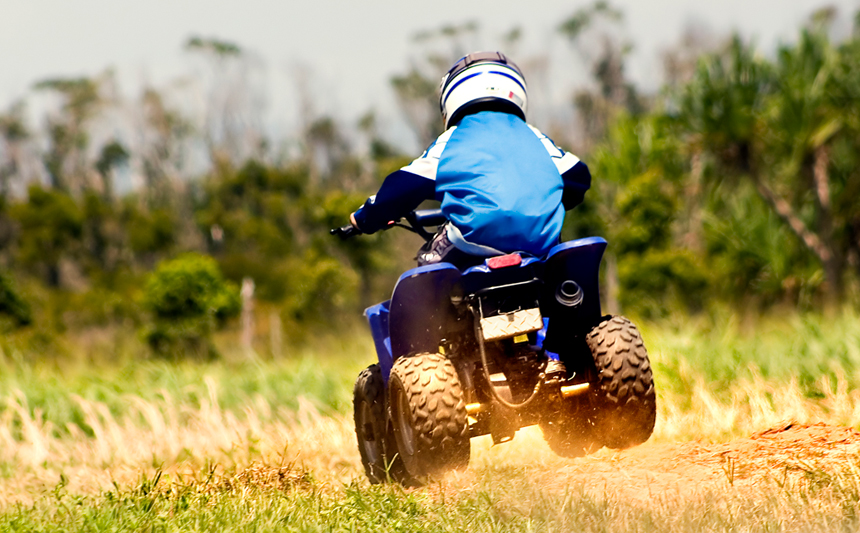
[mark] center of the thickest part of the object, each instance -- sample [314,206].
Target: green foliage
[68,135]
[188,297]
[659,280]
[647,206]
[718,104]
[13,308]
[269,224]
[51,224]
[642,165]
[776,125]
[322,288]
[753,255]
[82,92]
[13,126]
[214,46]
[190,286]
[112,155]
[149,232]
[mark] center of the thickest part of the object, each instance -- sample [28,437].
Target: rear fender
[579,261]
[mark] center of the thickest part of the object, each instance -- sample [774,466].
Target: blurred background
[169,171]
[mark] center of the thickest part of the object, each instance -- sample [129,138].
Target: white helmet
[482,77]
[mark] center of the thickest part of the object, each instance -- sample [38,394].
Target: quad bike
[461,354]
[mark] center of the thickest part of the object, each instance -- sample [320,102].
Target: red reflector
[503,261]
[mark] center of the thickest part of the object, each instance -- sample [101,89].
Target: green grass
[737,366]
[720,351]
[496,503]
[51,385]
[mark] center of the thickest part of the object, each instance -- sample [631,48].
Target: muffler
[569,294]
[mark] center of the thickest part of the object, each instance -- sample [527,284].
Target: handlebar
[345,232]
[416,222]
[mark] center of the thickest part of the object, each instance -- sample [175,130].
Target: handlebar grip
[345,232]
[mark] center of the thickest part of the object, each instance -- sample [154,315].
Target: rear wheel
[379,459]
[572,433]
[625,397]
[428,415]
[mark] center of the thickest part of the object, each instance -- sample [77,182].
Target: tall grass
[81,445]
[322,376]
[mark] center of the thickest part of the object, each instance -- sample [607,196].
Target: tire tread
[626,394]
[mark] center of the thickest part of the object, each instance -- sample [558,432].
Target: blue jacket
[503,185]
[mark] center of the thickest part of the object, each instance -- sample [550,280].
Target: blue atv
[512,342]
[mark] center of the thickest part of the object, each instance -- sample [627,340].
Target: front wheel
[428,414]
[380,462]
[625,397]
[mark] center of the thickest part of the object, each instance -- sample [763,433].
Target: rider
[504,185]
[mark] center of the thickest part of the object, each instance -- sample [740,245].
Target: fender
[579,261]
[414,319]
[377,318]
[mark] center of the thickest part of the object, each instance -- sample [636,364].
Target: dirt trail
[782,455]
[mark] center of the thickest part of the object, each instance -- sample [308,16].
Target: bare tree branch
[785,212]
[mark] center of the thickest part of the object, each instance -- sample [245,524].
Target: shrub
[188,298]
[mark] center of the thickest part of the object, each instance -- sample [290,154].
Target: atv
[512,342]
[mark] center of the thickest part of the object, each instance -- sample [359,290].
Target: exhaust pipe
[569,294]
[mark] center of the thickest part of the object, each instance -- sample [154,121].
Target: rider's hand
[352,220]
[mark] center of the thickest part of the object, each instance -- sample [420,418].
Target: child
[504,186]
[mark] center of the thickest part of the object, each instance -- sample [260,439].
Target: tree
[643,169]
[613,93]
[417,90]
[775,125]
[51,224]
[65,159]
[232,127]
[162,154]
[113,154]
[13,135]
[15,311]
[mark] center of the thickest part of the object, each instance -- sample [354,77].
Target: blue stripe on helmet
[461,80]
[508,76]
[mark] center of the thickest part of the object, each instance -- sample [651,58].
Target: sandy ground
[784,455]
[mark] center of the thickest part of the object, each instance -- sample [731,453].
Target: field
[754,433]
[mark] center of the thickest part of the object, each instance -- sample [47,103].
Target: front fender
[420,308]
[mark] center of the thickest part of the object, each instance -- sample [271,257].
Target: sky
[351,48]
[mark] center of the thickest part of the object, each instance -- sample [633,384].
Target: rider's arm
[401,192]
[577,180]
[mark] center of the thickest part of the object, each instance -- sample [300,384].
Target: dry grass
[700,471]
[166,436]
[180,440]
